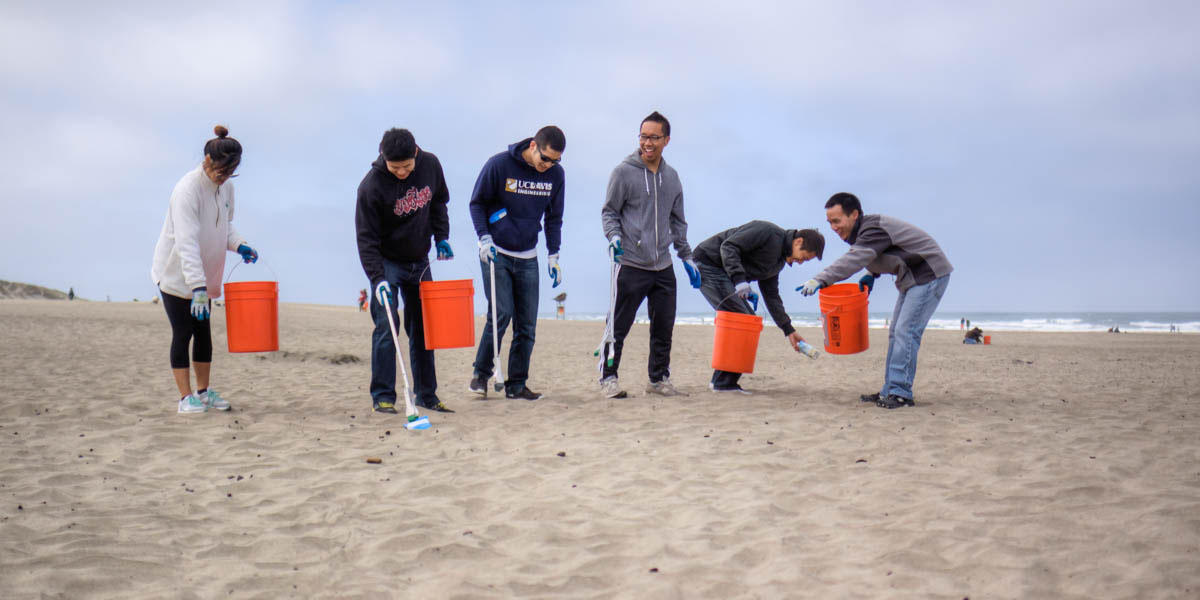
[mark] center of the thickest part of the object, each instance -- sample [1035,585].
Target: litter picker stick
[410,408]
[607,347]
[498,384]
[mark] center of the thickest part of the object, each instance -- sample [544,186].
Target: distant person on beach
[71,294]
[883,244]
[189,262]
[757,251]
[642,218]
[401,207]
[362,300]
[974,336]
[518,193]
[962,324]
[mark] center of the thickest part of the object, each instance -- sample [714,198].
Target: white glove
[200,303]
[810,287]
[383,290]
[743,290]
[555,272]
[487,250]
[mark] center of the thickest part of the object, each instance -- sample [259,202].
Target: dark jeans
[406,277]
[634,285]
[516,301]
[717,288]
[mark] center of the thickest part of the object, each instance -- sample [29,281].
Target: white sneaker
[662,387]
[192,404]
[215,401]
[611,388]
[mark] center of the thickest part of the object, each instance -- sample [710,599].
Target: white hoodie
[195,235]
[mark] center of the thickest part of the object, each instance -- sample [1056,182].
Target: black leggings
[183,327]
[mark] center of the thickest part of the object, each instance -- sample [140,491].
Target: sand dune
[1043,466]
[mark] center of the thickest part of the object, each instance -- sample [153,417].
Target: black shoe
[478,385]
[874,398]
[894,401]
[735,389]
[437,406]
[524,394]
[385,407]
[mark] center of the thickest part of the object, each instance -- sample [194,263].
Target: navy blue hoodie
[395,217]
[508,182]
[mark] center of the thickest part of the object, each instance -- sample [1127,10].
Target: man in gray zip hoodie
[642,217]
[883,244]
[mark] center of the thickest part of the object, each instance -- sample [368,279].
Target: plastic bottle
[808,350]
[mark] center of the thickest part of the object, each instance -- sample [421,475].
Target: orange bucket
[735,341]
[987,339]
[448,313]
[844,318]
[252,316]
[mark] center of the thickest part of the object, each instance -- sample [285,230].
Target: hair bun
[221,131]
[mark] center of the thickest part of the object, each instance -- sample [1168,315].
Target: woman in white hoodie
[189,261]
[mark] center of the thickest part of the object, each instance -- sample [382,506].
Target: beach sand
[1043,466]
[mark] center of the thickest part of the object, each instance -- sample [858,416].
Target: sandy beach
[1043,466]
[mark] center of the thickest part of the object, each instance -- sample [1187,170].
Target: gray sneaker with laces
[663,387]
[611,388]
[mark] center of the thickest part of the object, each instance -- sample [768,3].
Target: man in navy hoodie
[401,204]
[517,192]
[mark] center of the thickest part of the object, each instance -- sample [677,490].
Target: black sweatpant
[633,286]
[183,327]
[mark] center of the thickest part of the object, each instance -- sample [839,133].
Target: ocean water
[1159,322]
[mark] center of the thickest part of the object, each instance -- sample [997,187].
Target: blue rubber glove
[868,282]
[248,254]
[487,250]
[753,300]
[810,287]
[693,273]
[200,303]
[443,250]
[384,290]
[614,249]
[555,271]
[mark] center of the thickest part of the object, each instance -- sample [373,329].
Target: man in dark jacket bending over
[756,251]
[883,244]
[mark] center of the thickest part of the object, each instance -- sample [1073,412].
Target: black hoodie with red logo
[396,217]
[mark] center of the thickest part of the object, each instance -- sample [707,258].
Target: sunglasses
[553,161]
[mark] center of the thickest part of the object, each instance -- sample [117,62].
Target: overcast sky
[1050,147]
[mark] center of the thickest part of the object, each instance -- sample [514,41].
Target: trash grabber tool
[415,421]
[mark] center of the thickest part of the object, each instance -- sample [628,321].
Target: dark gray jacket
[756,251]
[646,210]
[883,244]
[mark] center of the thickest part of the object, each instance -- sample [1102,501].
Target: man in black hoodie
[401,204]
[756,251]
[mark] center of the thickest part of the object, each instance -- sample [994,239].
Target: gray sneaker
[663,387]
[611,388]
[215,401]
[192,404]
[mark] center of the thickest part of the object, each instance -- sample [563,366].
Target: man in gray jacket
[642,217]
[883,244]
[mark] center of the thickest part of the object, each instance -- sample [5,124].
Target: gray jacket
[646,210]
[884,244]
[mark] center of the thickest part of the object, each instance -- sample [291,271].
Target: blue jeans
[516,301]
[913,310]
[407,278]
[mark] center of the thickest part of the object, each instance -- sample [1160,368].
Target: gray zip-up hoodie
[646,210]
[883,244]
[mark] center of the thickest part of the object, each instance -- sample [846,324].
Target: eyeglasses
[553,161]
[651,138]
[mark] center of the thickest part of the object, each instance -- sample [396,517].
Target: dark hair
[551,137]
[224,152]
[397,144]
[656,117]
[849,202]
[813,241]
